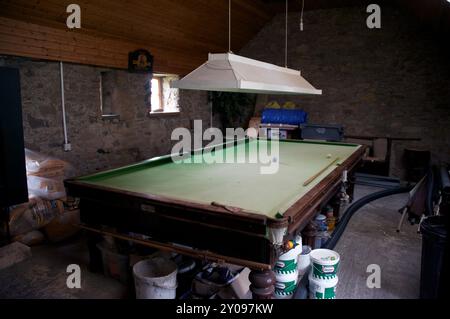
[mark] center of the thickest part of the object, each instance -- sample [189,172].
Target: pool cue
[228,208]
[309,180]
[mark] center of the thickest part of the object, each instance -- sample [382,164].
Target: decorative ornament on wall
[140,61]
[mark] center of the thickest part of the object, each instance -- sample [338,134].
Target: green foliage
[231,106]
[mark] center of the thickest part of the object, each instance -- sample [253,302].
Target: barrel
[434,240]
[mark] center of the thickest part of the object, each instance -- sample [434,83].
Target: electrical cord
[301,15]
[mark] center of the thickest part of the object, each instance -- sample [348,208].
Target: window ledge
[110,116]
[157,114]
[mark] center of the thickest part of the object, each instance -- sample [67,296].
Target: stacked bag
[49,213]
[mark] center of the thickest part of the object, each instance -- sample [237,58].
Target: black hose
[353,208]
[302,288]
[302,291]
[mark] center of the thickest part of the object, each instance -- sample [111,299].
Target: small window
[107,92]
[162,98]
[156,95]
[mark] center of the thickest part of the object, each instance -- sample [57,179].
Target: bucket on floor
[322,288]
[325,263]
[115,265]
[287,262]
[285,284]
[304,261]
[282,295]
[155,278]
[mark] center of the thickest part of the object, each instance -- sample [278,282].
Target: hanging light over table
[229,72]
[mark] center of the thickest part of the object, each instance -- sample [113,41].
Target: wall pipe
[63,107]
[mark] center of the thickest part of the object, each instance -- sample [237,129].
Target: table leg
[336,204]
[351,187]
[4,218]
[95,257]
[262,283]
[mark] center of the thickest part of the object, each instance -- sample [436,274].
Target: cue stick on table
[309,180]
[228,208]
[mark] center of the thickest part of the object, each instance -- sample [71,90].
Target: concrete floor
[44,275]
[370,238]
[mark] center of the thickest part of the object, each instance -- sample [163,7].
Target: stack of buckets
[286,272]
[323,276]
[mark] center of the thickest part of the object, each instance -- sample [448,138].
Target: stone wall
[388,82]
[97,143]
[394,81]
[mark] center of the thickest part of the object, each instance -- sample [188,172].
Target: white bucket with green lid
[322,288]
[325,263]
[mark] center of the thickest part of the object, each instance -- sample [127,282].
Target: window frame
[105,115]
[161,97]
[166,110]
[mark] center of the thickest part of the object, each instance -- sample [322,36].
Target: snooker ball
[328,155]
[288,245]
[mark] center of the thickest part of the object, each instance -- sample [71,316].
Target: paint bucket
[155,278]
[304,261]
[322,288]
[321,222]
[287,262]
[285,284]
[331,223]
[115,265]
[325,263]
[281,295]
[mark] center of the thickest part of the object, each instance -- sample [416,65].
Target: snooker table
[224,212]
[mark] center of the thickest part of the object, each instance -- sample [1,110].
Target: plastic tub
[325,263]
[155,278]
[304,261]
[287,262]
[115,265]
[322,288]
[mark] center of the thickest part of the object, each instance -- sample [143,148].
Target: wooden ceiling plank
[235,34]
[160,34]
[67,43]
[181,32]
[156,50]
[64,35]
